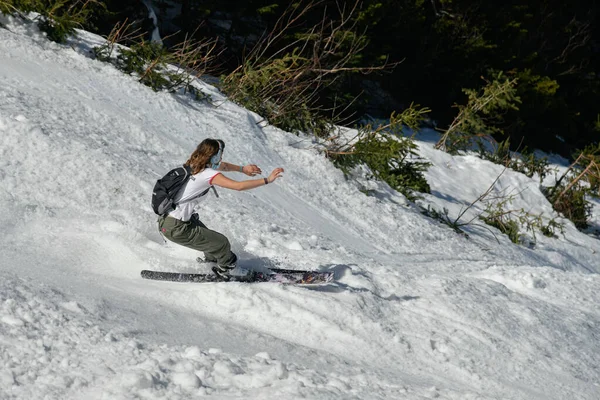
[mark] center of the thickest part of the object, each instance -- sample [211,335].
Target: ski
[299,277]
[178,277]
[285,276]
[202,261]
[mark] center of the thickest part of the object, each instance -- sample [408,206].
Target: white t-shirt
[196,185]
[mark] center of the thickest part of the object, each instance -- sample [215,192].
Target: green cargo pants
[195,235]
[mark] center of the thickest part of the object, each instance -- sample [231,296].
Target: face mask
[215,161]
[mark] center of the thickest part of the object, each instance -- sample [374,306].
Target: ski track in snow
[417,312]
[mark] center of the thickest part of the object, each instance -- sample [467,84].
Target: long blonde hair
[200,158]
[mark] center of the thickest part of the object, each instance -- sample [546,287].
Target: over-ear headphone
[215,160]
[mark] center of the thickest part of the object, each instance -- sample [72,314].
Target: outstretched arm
[249,170]
[223,181]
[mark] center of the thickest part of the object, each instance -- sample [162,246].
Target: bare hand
[275,174]
[251,170]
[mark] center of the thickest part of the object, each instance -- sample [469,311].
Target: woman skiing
[183,225]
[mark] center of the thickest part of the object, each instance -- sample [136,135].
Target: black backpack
[167,187]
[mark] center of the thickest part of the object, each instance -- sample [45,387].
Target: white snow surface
[416,311]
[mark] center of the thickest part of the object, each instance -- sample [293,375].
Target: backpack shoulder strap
[189,171]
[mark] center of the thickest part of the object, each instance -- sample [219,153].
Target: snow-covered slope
[417,311]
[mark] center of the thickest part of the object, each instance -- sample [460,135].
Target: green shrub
[571,203]
[160,68]
[526,162]
[590,162]
[287,76]
[581,179]
[481,116]
[148,61]
[13,7]
[529,164]
[58,18]
[551,227]
[57,29]
[390,157]
[497,216]
[6,7]
[444,217]
[282,92]
[514,222]
[507,226]
[511,222]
